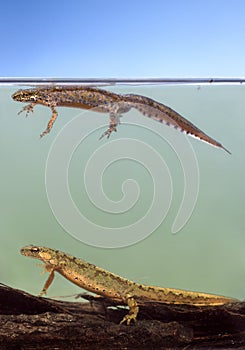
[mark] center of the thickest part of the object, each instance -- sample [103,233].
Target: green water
[207,254]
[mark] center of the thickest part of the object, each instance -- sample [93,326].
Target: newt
[109,285]
[103,101]
[95,99]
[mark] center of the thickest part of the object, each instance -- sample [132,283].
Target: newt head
[25,95]
[36,252]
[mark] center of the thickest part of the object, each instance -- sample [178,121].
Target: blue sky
[122,38]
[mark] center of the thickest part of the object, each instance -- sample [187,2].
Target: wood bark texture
[30,322]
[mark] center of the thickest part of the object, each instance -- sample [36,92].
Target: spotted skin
[103,101]
[167,115]
[107,284]
[97,100]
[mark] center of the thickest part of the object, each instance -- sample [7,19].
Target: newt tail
[167,115]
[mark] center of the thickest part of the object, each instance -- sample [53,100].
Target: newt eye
[35,250]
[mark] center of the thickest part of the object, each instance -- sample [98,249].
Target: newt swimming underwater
[103,101]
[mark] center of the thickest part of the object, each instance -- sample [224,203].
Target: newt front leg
[51,121]
[49,280]
[29,108]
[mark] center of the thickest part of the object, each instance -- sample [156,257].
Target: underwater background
[207,254]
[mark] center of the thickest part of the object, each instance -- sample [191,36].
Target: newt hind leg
[114,121]
[133,310]
[117,109]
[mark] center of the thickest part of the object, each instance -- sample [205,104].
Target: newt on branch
[107,284]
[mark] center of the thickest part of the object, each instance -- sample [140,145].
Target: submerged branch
[30,322]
